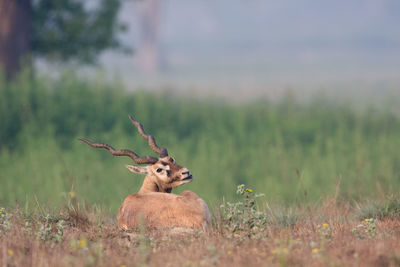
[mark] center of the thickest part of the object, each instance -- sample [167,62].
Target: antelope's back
[163,210]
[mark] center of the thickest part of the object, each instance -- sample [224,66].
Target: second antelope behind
[154,204]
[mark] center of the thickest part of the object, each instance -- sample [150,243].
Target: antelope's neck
[149,185]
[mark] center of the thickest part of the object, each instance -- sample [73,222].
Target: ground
[328,234]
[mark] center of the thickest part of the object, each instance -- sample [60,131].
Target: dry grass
[318,236]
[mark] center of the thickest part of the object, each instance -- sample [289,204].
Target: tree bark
[15,35]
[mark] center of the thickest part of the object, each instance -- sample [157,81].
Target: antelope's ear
[137,169]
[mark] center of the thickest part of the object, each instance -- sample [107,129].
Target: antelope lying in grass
[154,204]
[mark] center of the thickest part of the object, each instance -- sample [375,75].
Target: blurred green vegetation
[71,30]
[291,152]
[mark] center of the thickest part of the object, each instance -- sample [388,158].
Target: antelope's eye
[172,160]
[159,170]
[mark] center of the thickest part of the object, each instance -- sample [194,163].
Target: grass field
[329,234]
[323,167]
[294,153]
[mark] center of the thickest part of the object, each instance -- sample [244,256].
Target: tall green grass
[291,152]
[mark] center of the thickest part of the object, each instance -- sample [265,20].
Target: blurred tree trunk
[149,53]
[15,35]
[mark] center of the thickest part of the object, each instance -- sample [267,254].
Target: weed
[5,223]
[367,228]
[243,216]
[48,231]
[28,227]
[325,231]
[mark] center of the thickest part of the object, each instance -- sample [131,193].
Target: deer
[154,204]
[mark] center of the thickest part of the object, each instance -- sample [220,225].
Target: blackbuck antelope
[154,204]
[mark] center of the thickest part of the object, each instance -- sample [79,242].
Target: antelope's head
[162,174]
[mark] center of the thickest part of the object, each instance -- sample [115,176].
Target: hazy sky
[262,47]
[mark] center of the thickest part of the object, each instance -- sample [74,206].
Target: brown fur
[163,210]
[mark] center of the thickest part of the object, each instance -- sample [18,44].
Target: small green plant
[48,231]
[28,227]
[366,229]
[243,216]
[5,223]
[325,231]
